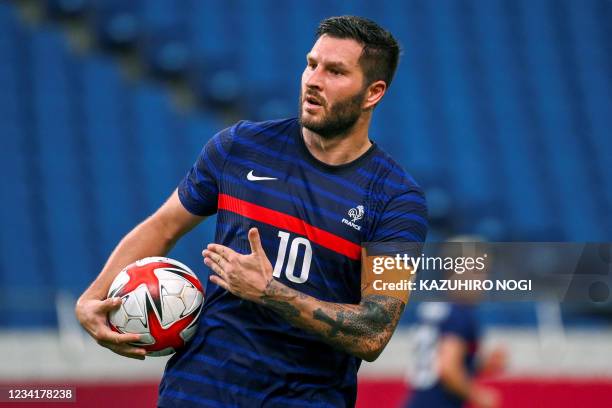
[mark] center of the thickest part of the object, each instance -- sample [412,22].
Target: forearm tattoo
[368,325]
[278,298]
[353,328]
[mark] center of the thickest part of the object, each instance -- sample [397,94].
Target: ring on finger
[218,258]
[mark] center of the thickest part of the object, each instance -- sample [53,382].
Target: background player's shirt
[436,320]
[312,218]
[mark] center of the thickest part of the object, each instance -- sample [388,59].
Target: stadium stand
[501,109]
[505,169]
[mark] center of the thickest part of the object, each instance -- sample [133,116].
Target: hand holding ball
[161,300]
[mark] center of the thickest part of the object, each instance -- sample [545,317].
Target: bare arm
[155,236]
[452,370]
[455,377]
[362,329]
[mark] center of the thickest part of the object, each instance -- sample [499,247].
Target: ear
[374,94]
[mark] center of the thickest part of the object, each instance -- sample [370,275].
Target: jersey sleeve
[199,189]
[402,227]
[404,218]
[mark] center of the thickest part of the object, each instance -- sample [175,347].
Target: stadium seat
[66,8]
[117,23]
[501,110]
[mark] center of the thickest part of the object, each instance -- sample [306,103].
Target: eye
[335,72]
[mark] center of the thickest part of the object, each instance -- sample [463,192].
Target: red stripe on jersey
[290,223]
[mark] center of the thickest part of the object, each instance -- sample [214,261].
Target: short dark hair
[381,51]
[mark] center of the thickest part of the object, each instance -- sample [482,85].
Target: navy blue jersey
[312,218]
[436,320]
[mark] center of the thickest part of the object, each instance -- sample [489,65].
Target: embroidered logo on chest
[355,214]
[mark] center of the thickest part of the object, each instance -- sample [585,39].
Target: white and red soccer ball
[161,299]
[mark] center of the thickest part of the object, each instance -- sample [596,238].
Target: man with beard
[286,320]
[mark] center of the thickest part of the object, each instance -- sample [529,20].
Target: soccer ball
[161,299]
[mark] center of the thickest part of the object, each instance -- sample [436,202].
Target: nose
[313,79]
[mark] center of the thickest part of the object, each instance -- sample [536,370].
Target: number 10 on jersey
[293,253]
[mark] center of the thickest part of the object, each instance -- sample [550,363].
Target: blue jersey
[312,218]
[436,320]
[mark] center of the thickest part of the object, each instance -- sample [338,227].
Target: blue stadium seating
[502,109]
[101,96]
[81,146]
[23,261]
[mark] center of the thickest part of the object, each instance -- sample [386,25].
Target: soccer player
[445,349]
[286,321]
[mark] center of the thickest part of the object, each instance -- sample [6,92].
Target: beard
[340,118]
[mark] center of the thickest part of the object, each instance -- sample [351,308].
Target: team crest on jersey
[355,214]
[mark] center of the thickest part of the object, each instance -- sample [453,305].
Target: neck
[342,148]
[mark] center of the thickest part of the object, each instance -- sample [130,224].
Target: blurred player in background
[285,320]
[445,349]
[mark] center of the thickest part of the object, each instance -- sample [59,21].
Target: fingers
[110,304]
[121,343]
[120,338]
[127,351]
[216,268]
[220,282]
[111,337]
[93,317]
[216,258]
[255,241]
[130,355]
[223,251]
